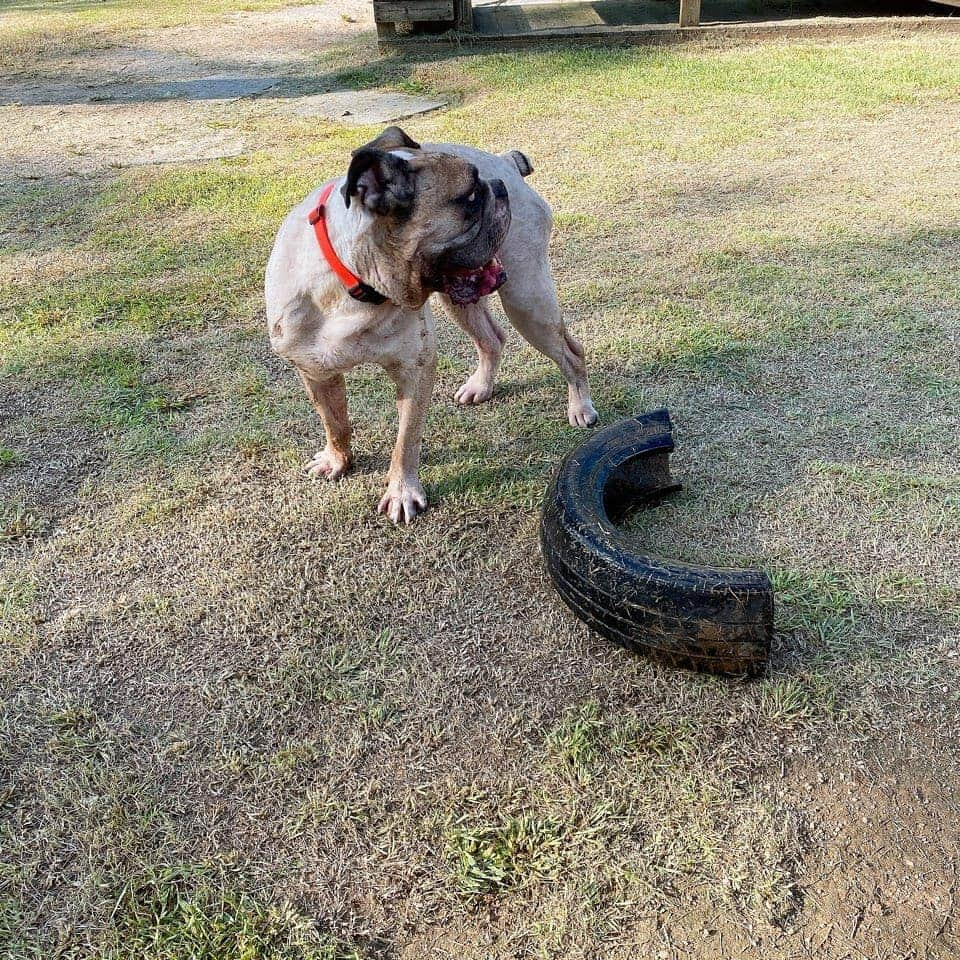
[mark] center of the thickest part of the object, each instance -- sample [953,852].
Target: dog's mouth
[468,286]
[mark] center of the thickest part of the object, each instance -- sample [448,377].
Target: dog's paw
[328,464]
[477,389]
[404,500]
[581,413]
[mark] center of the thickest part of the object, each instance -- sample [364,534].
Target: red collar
[355,286]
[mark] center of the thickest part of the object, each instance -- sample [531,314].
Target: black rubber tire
[698,617]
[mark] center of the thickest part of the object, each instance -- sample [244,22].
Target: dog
[348,282]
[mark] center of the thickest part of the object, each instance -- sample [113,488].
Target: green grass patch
[78,731]
[162,252]
[242,195]
[50,326]
[819,606]
[795,79]
[857,282]
[669,740]
[680,104]
[892,487]
[18,613]
[792,702]
[491,858]
[576,741]
[138,413]
[197,912]
[18,522]
[15,939]
[9,457]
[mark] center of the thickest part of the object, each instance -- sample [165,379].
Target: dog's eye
[471,196]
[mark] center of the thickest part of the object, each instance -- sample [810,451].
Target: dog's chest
[349,336]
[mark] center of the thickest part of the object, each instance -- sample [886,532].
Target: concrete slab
[213,89]
[193,88]
[204,145]
[362,107]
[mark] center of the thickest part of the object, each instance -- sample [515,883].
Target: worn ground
[244,717]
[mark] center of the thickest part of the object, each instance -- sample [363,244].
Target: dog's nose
[499,189]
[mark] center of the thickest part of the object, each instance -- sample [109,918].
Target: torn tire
[699,617]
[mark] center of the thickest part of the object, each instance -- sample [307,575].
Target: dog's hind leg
[328,394]
[531,305]
[477,320]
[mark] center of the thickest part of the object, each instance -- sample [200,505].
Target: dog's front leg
[328,394]
[405,496]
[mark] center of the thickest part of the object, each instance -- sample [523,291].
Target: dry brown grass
[242,713]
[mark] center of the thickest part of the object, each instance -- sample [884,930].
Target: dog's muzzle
[466,286]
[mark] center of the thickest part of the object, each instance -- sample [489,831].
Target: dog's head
[434,224]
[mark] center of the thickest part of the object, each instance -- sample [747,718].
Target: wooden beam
[385,11]
[465,15]
[689,13]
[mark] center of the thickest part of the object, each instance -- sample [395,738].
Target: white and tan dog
[410,221]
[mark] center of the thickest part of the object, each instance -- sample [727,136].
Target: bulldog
[354,265]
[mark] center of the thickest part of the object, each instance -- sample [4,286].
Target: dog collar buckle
[366,294]
[356,288]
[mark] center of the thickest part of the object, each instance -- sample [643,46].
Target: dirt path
[173,95]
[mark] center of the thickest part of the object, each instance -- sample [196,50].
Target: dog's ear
[382,182]
[393,138]
[521,160]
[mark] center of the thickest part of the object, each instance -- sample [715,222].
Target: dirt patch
[170,87]
[167,99]
[85,137]
[885,878]
[283,37]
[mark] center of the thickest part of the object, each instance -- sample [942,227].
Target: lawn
[244,717]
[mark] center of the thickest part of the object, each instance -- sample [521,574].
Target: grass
[18,633]
[18,522]
[242,717]
[491,859]
[195,912]
[821,605]
[575,742]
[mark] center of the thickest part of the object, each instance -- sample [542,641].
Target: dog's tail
[521,160]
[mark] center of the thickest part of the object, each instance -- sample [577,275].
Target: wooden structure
[400,17]
[397,18]
[400,22]
[689,13]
